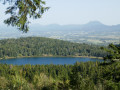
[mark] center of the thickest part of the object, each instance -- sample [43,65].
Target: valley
[90,33]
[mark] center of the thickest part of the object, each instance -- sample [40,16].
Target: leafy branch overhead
[22,10]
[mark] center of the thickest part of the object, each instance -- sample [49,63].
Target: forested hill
[39,46]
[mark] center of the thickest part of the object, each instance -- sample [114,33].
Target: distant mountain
[94,23]
[93,32]
[91,26]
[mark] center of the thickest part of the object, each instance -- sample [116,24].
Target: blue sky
[77,12]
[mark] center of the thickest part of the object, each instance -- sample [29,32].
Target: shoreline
[6,58]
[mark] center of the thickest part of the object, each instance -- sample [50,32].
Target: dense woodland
[81,76]
[39,46]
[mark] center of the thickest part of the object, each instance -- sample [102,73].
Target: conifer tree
[21,10]
[113,52]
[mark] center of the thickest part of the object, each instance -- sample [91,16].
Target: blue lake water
[47,60]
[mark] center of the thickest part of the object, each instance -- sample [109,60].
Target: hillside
[81,76]
[39,46]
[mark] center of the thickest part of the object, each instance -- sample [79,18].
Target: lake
[47,60]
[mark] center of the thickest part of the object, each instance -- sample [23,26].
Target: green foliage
[18,83]
[34,77]
[38,46]
[80,76]
[3,83]
[22,10]
[114,53]
[42,81]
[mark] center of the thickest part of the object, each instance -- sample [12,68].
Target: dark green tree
[113,52]
[21,10]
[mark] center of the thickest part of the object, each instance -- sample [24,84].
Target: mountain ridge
[93,32]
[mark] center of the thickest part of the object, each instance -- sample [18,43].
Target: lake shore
[51,56]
